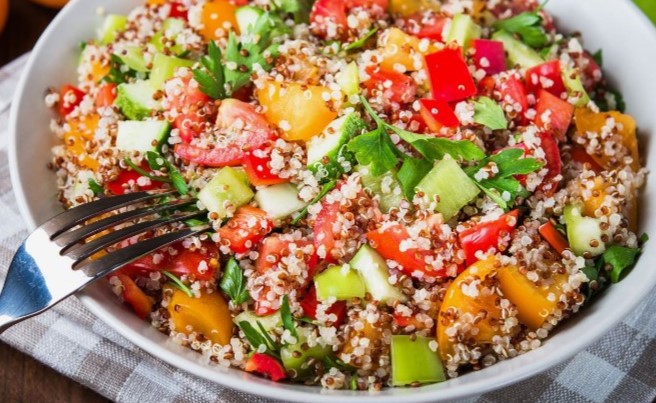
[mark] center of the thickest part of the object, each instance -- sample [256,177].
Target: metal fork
[53,262]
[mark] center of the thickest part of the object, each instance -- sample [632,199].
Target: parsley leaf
[156,162]
[257,338]
[528,26]
[324,191]
[502,187]
[287,318]
[360,42]
[175,280]
[95,187]
[300,9]
[411,173]
[211,77]
[233,283]
[489,114]
[621,259]
[332,362]
[376,150]
[435,148]
[119,72]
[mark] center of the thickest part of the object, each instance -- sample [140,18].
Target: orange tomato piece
[596,199]
[407,8]
[217,16]
[300,111]
[141,303]
[589,121]
[81,130]
[399,48]
[99,70]
[207,315]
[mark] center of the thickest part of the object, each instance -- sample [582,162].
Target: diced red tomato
[438,113]
[259,171]
[129,177]
[273,247]
[106,95]
[553,163]
[513,94]
[141,303]
[246,228]
[266,365]
[431,28]
[309,304]
[449,75]
[402,89]
[554,237]
[190,125]
[490,56]
[327,12]
[262,310]
[187,101]
[253,132]
[546,76]
[197,264]
[553,114]
[581,156]
[324,236]
[491,235]
[69,98]
[178,10]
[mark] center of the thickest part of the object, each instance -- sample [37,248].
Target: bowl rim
[264,388]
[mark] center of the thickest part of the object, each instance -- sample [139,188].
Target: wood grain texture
[23,379]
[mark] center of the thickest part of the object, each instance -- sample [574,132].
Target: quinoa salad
[394,193]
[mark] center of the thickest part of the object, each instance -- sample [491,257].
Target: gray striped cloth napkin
[621,367]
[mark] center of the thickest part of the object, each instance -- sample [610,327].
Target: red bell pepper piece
[266,365]
[259,171]
[127,178]
[491,235]
[246,228]
[141,303]
[438,114]
[513,94]
[402,89]
[546,76]
[490,56]
[309,304]
[178,10]
[106,95]
[554,163]
[554,237]
[449,75]
[553,114]
[69,98]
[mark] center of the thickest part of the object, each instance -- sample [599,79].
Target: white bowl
[628,41]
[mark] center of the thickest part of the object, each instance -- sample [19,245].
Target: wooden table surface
[23,379]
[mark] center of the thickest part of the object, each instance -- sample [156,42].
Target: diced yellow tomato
[300,111]
[374,334]
[534,302]
[399,48]
[596,199]
[99,70]
[218,15]
[207,315]
[589,121]
[81,130]
[407,8]
[457,303]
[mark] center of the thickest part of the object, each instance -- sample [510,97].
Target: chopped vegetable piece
[554,237]
[449,75]
[339,282]
[413,361]
[488,236]
[266,365]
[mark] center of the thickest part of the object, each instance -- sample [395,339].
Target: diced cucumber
[133,57]
[268,322]
[348,79]
[340,282]
[141,136]
[136,100]
[414,361]
[519,53]
[463,30]
[171,28]
[572,79]
[375,273]
[447,188]
[111,27]
[279,201]
[386,187]
[583,232]
[246,17]
[226,189]
[164,68]
[294,357]
[327,155]
[242,175]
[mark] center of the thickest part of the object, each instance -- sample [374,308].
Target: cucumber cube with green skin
[279,201]
[348,79]
[133,57]
[268,322]
[386,187]
[447,188]
[112,26]
[136,100]
[339,282]
[294,357]
[583,232]
[414,361]
[164,68]
[226,190]
[519,53]
[572,79]
[171,28]
[246,17]
[375,273]
[463,30]
[142,136]
[326,153]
